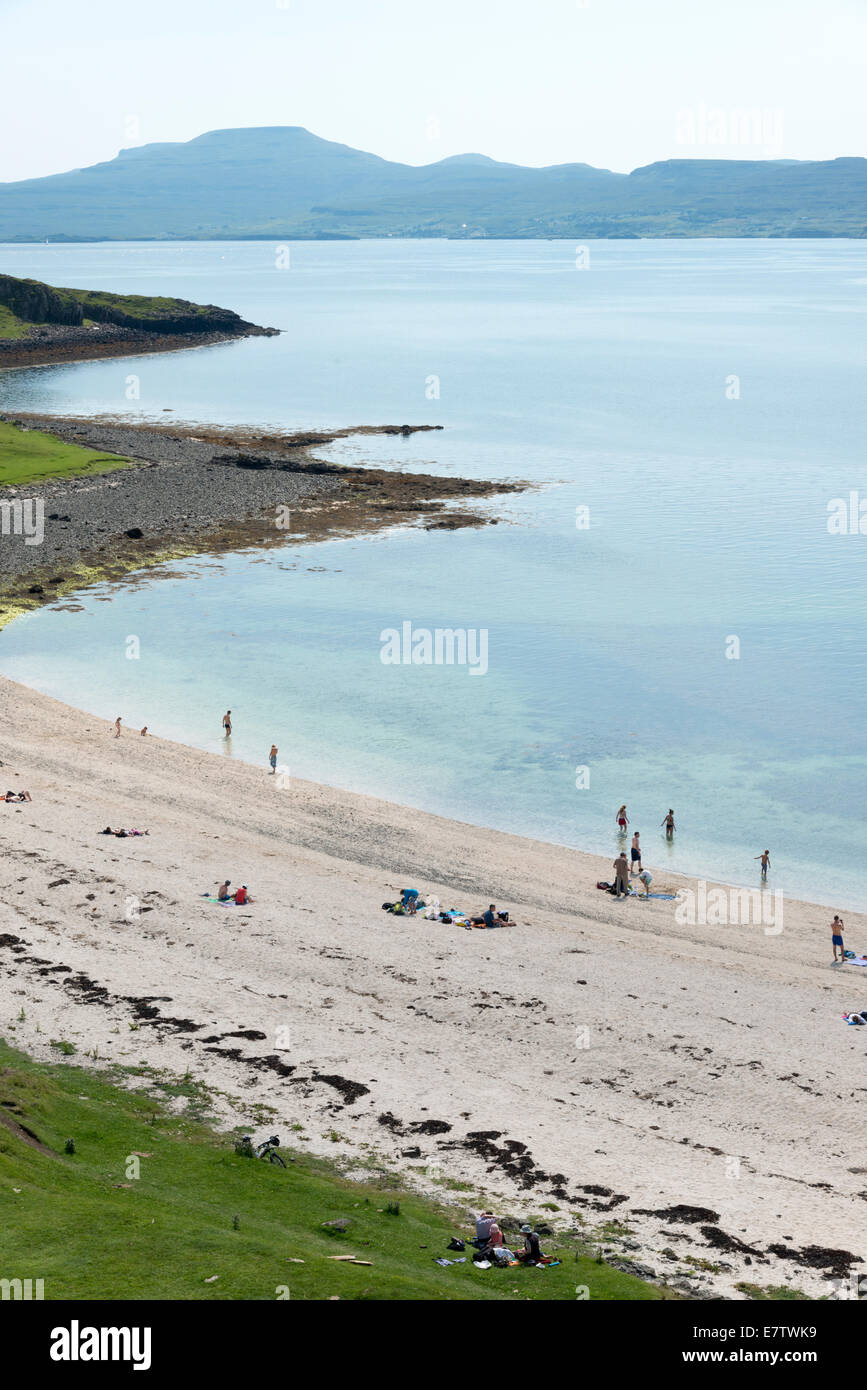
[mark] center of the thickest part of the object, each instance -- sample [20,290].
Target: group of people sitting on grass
[490,1244]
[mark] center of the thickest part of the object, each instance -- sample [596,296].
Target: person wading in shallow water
[227,723]
[765,857]
[668,822]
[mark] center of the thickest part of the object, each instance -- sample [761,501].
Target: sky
[614,83]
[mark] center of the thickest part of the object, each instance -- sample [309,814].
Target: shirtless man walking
[227,723]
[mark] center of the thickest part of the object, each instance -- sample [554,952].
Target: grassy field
[10,325]
[29,456]
[153,1204]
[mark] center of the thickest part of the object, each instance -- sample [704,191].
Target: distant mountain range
[284,182]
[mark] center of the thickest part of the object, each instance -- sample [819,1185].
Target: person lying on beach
[858,1018]
[18,796]
[223,893]
[123,834]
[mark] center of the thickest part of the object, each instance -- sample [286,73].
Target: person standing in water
[636,853]
[837,939]
[227,723]
[622,819]
[668,822]
[766,859]
[272,757]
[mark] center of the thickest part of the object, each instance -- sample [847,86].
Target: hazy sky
[616,83]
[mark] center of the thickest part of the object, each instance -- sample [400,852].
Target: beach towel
[670,896]
[856,960]
[228,902]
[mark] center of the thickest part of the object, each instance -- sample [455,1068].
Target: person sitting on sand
[223,893]
[837,939]
[241,895]
[144,731]
[487,919]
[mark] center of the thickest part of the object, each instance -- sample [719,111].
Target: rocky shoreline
[189,490]
[43,344]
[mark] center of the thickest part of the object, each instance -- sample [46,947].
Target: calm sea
[695,641]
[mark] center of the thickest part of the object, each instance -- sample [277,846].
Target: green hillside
[283,181]
[107,1193]
[29,302]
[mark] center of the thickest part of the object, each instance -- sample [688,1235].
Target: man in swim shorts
[766,859]
[837,939]
[636,853]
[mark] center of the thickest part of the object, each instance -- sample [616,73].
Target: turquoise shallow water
[607,646]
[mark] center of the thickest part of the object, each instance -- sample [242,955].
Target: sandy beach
[694,1083]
